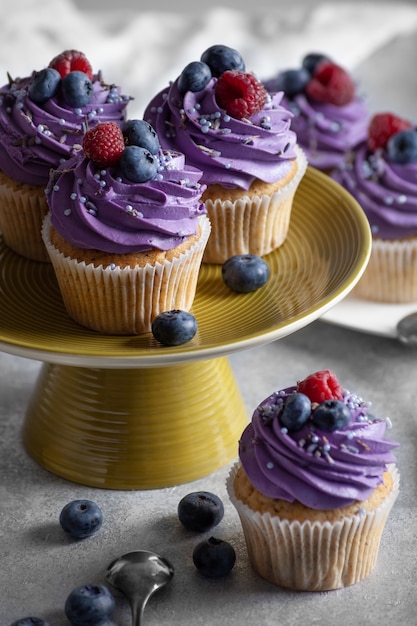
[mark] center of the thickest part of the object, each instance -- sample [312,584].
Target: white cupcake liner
[251,225]
[22,211]
[126,300]
[391,274]
[313,556]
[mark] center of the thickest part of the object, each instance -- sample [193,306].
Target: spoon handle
[137,606]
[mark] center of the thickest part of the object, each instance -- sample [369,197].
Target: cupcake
[126,229]
[382,175]
[228,126]
[314,486]
[42,120]
[330,116]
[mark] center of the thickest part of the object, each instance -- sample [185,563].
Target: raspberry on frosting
[70,61]
[240,93]
[104,144]
[320,386]
[382,126]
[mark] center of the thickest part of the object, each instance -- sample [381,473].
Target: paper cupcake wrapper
[313,556]
[251,225]
[22,211]
[391,274]
[126,300]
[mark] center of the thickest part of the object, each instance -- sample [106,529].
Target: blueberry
[81,518]
[44,85]
[296,411]
[89,605]
[77,89]
[172,328]
[221,58]
[214,557]
[200,510]
[330,415]
[194,77]
[402,147]
[138,164]
[292,82]
[311,61]
[31,621]
[141,133]
[245,272]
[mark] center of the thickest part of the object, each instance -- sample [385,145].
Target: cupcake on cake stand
[123,412]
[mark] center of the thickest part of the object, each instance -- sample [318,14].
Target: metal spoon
[138,575]
[407,329]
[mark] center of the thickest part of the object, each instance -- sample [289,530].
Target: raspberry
[382,126]
[104,144]
[240,94]
[71,60]
[320,386]
[332,84]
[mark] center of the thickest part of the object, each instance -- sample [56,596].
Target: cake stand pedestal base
[136,428]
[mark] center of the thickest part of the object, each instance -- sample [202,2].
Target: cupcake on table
[43,118]
[314,485]
[382,175]
[227,124]
[126,230]
[330,115]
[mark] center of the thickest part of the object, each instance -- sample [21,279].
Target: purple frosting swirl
[326,131]
[35,138]
[321,469]
[229,151]
[386,191]
[98,209]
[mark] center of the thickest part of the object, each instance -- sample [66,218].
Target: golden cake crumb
[249,495]
[133,259]
[258,188]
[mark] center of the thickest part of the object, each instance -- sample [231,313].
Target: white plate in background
[371,317]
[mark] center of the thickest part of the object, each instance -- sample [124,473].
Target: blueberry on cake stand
[128,413]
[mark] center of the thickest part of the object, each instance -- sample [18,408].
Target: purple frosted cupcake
[382,175]
[314,486]
[330,117]
[43,118]
[224,121]
[126,237]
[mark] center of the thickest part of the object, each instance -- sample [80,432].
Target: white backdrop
[142,50]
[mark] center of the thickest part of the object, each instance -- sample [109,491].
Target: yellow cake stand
[127,413]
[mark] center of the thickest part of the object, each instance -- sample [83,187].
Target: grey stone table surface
[40,565]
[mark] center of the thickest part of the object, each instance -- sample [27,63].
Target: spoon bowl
[407,329]
[138,575]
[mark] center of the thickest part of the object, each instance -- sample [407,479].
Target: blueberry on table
[214,557]
[175,327]
[81,518]
[296,411]
[245,272]
[331,415]
[200,510]
[31,621]
[77,89]
[89,605]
